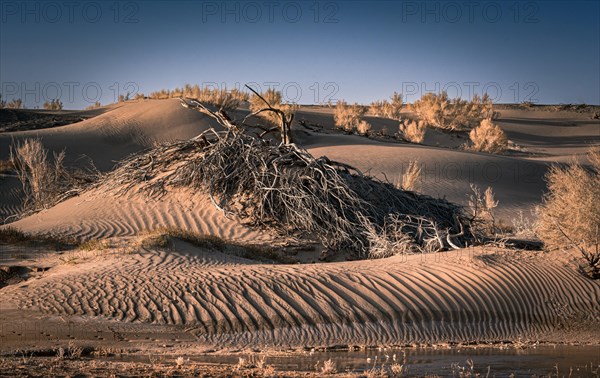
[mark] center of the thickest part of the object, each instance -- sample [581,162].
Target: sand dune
[98,214]
[118,132]
[227,301]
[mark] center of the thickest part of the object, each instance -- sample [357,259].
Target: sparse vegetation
[412,131]
[488,137]
[388,109]
[274,99]
[569,216]
[55,104]
[95,105]
[438,111]
[45,183]
[13,104]
[348,117]
[481,207]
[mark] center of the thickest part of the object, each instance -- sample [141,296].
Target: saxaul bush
[55,104]
[388,109]
[569,216]
[412,131]
[439,111]
[488,137]
[348,117]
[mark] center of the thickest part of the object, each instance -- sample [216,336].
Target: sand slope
[227,301]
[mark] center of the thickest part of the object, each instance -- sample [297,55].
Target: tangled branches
[283,187]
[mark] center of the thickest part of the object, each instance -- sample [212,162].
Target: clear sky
[83,51]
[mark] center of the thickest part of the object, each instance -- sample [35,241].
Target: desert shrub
[363,128]
[14,104]
[570,215]
[95,105]
[481,208]
[438,111]
[488,137]
[219,98]
[412,131]
[388,109]
[45,183]
[55,104]
[348,117]
[274,99]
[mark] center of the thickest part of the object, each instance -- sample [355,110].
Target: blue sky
[540,51]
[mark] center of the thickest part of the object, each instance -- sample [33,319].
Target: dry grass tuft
[488,137]
[413,131]
[348,117]
[438,111]
[328,367]
[481,207]
[411,176]
[46,183]
[570,215]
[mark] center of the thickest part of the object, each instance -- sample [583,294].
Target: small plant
[569,216]
[348,117]
[412,131]
[488,137]
[410,177]
[329,367]
[481,207]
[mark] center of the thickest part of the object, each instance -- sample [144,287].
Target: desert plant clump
[284,188]
[569,216]
[348,117]
[412,131]
[439,111]
[481,208]
[363,128]
[411,176]
[488,137]
[45,183]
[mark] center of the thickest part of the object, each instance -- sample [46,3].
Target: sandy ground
[202,299]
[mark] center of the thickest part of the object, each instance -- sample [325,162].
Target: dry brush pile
[283,187]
